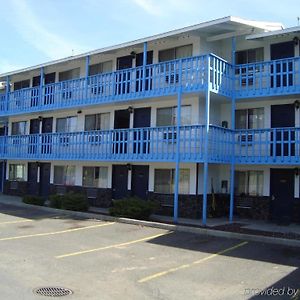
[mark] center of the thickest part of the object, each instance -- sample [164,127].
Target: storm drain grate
[53,291]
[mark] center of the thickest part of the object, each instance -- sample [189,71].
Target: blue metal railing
[153,80]
[255,146]
[148,144]
[275,145]
[268,78]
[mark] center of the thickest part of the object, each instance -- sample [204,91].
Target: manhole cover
[53,291]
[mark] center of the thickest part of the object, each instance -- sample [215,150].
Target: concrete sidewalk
[186,225]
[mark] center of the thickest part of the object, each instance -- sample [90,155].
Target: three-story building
[203,119]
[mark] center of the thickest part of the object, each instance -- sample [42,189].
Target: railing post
[144,66]
[232,166]
[41,86]
[7,90]
[87,64]
[205,171]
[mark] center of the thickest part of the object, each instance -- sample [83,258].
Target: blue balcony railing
[150,81]
[255,146]
[267,146]
[144,144]
[276,77]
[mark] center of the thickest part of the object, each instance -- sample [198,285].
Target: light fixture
[79,111]
[296,171]
[40,118]
[129,167]
[296,40]
[133,54]
[297,104]
[130,109]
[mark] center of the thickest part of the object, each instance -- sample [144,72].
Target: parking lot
[109,260]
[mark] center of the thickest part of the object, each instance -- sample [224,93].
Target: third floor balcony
[190,75]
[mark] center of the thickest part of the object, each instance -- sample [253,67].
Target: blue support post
[7,90]
[232,165]
[41,86]
[87,65]
[144,65]
[177,167]
[205,171]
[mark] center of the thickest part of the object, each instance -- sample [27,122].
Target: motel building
[203,120]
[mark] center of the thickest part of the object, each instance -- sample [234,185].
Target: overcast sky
[35,31]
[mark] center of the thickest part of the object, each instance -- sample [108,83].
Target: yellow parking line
[15,222]
[55,232]
[172,270]
[112,246]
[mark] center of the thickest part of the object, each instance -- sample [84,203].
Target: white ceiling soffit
[274,34]
[217,26]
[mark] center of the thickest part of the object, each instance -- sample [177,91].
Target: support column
[177,167]
[205,171]
[87,64]
[41,86]
[232,165]
[7,90]
[144,65]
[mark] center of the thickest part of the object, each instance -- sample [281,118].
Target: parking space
[109,260]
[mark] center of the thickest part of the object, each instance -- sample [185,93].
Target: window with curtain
[16,172]
[249,183]
[249,118]
[68,124]
[175,53]
[18,128]
[249,56]
[100,68]
[69,74]
[167,116]
[164,180]
[95,177]
[97,122]
[64,175]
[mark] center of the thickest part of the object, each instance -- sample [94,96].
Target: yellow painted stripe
[172,270]
[55,232]
[15,222]
[112,246]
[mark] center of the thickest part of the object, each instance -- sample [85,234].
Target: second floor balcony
[280,146]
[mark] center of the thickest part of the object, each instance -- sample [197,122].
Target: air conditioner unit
[2,85]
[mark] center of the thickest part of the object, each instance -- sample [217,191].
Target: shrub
[132,207]
[76,202]
[56,201]
[34,200]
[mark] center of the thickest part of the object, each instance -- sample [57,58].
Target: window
[175,53]
[18,128]
[68,124]
[70,74]
[249,118]
[103,67]
[64,175]
[249,56]
[97,122]
[249,183]
[21,84]
[16,172]
[164,181]
[95,177]
[167,116]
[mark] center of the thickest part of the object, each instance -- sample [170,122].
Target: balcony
[156,80]
[271,78]
[141,144]
[280,146]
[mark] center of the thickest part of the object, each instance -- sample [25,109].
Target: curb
[171,227]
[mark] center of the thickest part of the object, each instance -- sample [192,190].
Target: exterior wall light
[130,109]
[297,104]
[296,170]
